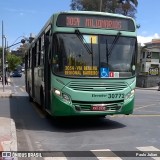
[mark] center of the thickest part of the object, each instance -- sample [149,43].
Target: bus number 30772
[121,95]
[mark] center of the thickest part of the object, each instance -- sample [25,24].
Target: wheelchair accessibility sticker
[104,72]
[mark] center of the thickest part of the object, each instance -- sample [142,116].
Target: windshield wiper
[82,39]
[109,50]
[113,44]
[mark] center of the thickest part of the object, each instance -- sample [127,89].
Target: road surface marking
[144,106]
[107,154]
[149,149]
[22,90]
[103,157]
[60,156]
[135,115]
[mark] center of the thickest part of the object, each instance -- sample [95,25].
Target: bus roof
[80,12]
[94,13]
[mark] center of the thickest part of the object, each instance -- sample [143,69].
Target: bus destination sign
[95,21]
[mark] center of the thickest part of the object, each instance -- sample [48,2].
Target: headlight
[129,95]
[66,97]
[57,92]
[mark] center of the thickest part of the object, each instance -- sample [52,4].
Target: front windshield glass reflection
[72,59]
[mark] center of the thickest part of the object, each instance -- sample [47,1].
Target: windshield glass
[71,57]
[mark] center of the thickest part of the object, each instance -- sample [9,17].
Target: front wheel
[29,92]
[42,98]
[30,98]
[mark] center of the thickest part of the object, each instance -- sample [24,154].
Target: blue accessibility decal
[104,72]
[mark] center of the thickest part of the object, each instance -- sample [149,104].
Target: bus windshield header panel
[95,21]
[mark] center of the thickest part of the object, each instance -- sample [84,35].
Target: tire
[30,98]
[29,90]
[42,98]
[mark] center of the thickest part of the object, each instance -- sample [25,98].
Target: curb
[10,144]
[156,89]
[8,141]
[7,91]
[6,94]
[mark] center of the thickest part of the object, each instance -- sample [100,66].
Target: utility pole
[5,51]
[3,76]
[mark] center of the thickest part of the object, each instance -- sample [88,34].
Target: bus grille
[98,86]
[86,106]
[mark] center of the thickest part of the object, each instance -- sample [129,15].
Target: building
[150,57]
[149,64]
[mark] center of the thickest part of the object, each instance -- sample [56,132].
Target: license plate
[98,108]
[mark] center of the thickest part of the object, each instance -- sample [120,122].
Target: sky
[20,18]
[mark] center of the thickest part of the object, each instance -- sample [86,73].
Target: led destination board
[95,21]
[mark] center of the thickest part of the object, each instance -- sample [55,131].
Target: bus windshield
[71,59]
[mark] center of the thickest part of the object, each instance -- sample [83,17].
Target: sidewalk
[6,91]
[8,138]
[150,88]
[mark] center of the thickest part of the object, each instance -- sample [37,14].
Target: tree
[1,60]
[85,5]
[13,61]
[125,7]
[1,52]
[128,7]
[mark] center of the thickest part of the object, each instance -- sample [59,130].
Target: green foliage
[125,7]
[1,52]
[0,60]
[13,61]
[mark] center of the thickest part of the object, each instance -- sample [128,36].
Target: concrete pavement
[150,88]
[8,138]
[5,91]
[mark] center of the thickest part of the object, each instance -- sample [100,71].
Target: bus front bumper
[60,107]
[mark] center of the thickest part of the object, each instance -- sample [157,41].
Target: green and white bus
[83,63]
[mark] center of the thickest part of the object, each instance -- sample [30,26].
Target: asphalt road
[38,132]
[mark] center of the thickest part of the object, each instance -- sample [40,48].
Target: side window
[30,59]
[48,41]
[56,53]
[37,53]
[143,54]
[34,55]
[42,50]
